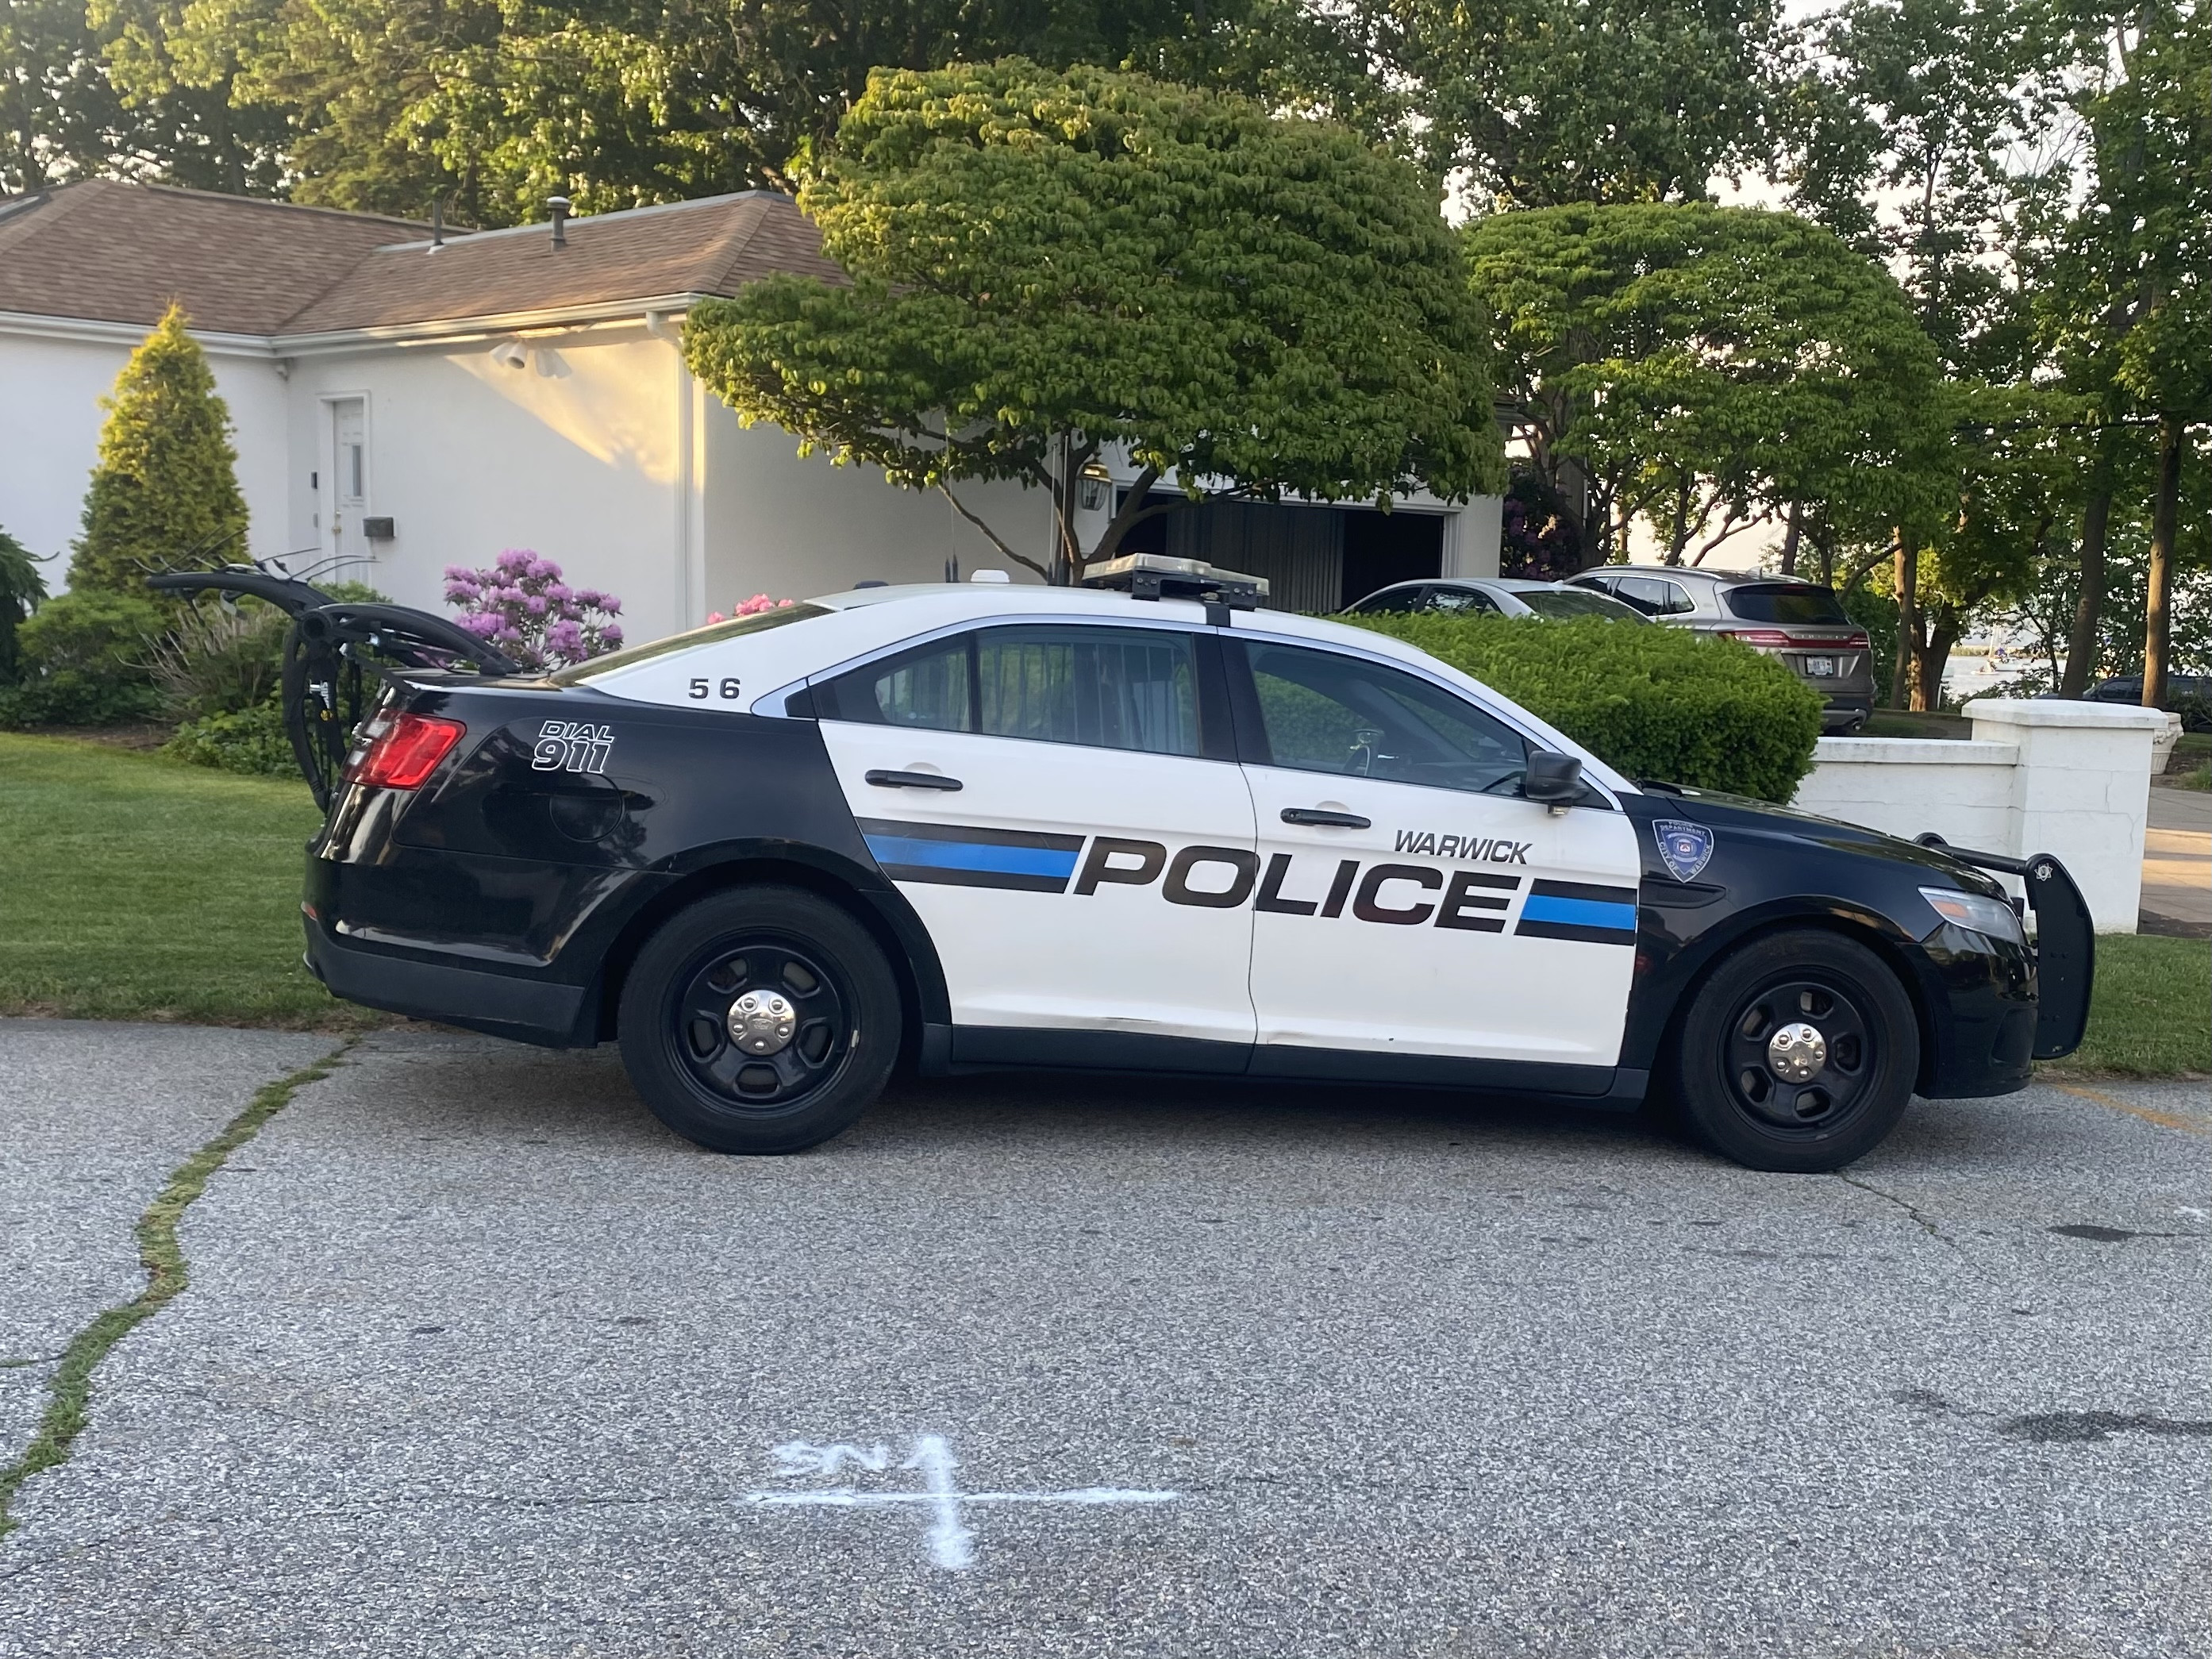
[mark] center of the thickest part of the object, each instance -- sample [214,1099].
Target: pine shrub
[164,493]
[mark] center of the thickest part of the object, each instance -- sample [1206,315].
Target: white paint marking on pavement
[951,1541]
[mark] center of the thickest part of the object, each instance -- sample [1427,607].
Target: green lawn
[132,887]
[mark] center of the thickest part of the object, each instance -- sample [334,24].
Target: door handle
[912,781]
[1320,815]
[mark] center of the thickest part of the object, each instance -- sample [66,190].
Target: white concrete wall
[50,421]
[2069,779]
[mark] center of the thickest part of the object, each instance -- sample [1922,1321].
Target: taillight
[1857,643]
[1771,638]
[405,752]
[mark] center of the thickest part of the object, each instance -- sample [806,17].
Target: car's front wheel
[1797,1054]
[762,1020]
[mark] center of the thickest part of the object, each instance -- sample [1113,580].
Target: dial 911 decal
[1227,878]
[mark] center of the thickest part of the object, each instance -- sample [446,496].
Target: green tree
[180,65]
[617,103]
[1542,103]
[60,116]
[1043,265]
[165,493]
[1706,368]
[21,588]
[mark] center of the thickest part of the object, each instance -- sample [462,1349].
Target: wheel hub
[1797,1052]
[761,1022]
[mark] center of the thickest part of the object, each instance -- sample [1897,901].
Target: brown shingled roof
[117,251]
[713,245]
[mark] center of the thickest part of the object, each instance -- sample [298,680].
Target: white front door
[1092,871]
[1410,901]
[345,494]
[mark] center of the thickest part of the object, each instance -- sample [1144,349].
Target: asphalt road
[478,1360]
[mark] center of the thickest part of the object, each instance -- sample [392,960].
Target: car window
[1788,602]
[1109,688]
[1561,603]
[1654,596]
[930,687]
[1112,688]
[1466,601]
[1391,599]
[1325,713]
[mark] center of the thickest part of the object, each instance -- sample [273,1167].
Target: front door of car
[1061,804]
[1410,901]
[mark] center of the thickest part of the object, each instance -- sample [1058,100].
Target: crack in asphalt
[1924,1223]
[68,1390]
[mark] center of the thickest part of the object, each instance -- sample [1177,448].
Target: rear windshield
[1787,603]
[1561,603]
[584,673]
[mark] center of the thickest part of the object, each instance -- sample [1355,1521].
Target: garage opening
[1315,558]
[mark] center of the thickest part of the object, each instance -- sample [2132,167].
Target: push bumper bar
[2065,943]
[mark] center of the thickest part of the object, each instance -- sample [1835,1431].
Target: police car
[1144,827]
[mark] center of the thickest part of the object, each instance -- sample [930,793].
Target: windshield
[1560,603]
[1781,602]
[584,673]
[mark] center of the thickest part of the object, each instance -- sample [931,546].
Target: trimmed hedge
[1652,703]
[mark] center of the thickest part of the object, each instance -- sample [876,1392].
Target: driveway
[2177,879]
[478,1360]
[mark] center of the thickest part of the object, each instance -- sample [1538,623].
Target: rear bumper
[525,1008]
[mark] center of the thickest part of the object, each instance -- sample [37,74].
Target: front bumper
[527,1009]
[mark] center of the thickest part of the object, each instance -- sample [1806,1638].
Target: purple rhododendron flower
[521,602]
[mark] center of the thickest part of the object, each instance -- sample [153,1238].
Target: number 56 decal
[728,691]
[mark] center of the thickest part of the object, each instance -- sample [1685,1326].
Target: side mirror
[1553,779]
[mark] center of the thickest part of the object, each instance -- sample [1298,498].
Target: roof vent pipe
[437,223]
[559,205]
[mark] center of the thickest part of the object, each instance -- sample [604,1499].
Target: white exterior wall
[2069,779]
[574,455]
[598,451]
[789,528]
[50,385]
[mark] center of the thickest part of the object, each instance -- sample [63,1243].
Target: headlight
[1991,917]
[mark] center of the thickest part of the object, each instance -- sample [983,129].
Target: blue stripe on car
[979,856]
[1579,913]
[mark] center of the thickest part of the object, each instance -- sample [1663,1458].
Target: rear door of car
[1411,901]
[1061,803]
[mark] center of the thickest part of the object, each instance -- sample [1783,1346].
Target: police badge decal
[1684,849]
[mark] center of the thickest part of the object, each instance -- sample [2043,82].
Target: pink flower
[713,617]
[610,635]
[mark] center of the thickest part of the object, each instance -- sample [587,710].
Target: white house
[403,403]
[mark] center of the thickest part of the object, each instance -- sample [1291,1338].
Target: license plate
[1819,667]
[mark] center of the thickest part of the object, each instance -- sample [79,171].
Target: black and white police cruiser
[1144,827]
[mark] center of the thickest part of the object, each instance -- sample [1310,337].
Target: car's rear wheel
[762,1020]
[1797,1054]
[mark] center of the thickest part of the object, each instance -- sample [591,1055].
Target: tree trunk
[2082,648]
[1933,658]
[1907,584]
[2084,641]
[1680,536]
[1790,543]
[2157,624]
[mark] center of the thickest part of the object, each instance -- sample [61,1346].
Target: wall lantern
[1094,489]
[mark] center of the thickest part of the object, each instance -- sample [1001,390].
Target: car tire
[1742,1087]
[762,1020]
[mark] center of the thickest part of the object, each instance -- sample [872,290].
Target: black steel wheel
[763,1019]
[1796,1054]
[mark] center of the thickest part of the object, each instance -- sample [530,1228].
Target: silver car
[1505,596]
[1800,623]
